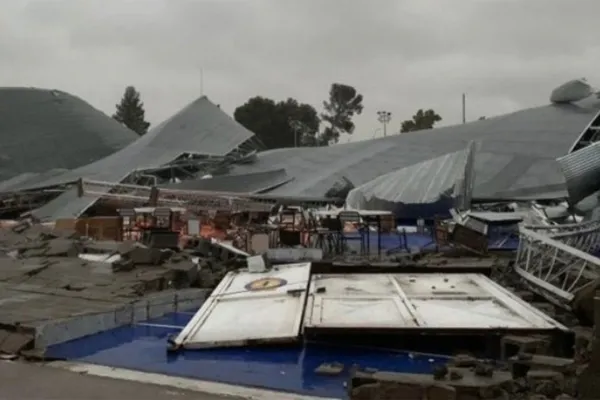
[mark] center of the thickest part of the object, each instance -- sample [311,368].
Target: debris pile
[49,276]
[524,376]
[202,266]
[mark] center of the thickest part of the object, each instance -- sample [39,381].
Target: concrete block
[388,390]
[52,332]
[330,369]
[13,342]
[522,344]
[62,248]
[185,272]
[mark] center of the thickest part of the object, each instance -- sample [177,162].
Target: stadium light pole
[297,127]
[384,117]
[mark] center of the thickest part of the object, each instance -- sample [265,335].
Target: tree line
[286,123]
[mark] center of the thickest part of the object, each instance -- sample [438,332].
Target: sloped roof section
[44,129]
[516,157]
[437,185]
[248,183]
[582,172]
[200,128]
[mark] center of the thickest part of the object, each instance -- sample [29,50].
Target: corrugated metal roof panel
[201,127]
[246,183]
[582,172]
[525,143]
[422,183]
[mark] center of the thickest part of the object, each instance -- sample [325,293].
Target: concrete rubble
[466,378]
[56,286]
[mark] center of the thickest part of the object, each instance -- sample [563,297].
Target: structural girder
[557,261]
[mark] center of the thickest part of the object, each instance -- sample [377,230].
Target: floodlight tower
[384,117]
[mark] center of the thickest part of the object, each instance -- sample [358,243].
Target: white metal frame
[556,261]
[414,319]
[221,295]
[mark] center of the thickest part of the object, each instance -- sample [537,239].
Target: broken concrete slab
[521,344]
[391,383]
[155,305]
[142,255]
[185,272]
[582,303]
[102,247]
[464,361]
[542,362]
[330,369]
[55,316]
[62,248]
[13,341]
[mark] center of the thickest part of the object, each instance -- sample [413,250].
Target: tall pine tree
[131,113]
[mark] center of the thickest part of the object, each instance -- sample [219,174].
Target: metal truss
[24,201]
[556,261]
[192,200]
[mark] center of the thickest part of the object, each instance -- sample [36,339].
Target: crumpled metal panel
[201,127]
[581,170]
[449,176]
[246,183]
[517,157]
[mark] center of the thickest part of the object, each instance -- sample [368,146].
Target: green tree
[131,113]
[421,120]
[344,102]
[279,124]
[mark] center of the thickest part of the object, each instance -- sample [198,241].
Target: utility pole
[464,108]
[297,127]
[384,117]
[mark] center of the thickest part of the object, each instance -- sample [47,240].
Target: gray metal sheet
[247,183]
[582,172]
[201,127]
[525,144]
[490,216]
[517,156]
[29,179]
[44,129]
[421,183]
[67,205]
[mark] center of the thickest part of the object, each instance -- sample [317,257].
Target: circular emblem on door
[265,284]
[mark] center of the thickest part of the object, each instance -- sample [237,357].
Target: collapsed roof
[516,158]
[427,189]
[49,131]
[200,128]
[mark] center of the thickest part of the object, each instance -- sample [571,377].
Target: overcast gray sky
[400,54]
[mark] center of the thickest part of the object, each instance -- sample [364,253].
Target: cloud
[402,55]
